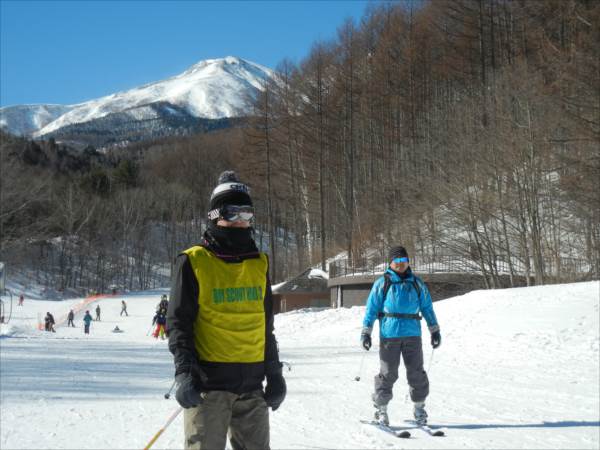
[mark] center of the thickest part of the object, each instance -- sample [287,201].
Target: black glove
[187,395]
[436,339]
[365,339]
[275,391]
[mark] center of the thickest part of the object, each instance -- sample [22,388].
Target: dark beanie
[397,252]
[229,191]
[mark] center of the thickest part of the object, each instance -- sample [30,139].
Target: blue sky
[72,51]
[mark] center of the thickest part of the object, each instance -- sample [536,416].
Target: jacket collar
[397,278]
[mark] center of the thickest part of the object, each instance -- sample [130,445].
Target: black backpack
[387,284]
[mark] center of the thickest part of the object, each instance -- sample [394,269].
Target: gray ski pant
[389,359]
[246,416]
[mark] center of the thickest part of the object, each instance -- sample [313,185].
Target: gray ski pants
[389,359]
[246,416]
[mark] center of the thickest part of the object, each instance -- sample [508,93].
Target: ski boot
[420,413]
[381,415]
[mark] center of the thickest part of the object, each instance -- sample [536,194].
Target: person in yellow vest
[220,329]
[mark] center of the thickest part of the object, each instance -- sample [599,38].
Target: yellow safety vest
[230,325]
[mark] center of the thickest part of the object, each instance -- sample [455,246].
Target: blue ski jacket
[87,319]
[402,298]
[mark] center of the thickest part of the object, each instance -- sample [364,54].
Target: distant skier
[123,308]
[98,313]
[116,329]
[160,319]
[70,318]
[87,320]
[396,299]
[49,322]
[163,305]
[21,300]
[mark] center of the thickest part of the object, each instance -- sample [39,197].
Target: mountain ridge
[211,89]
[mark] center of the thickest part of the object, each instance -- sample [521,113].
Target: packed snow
[518,368]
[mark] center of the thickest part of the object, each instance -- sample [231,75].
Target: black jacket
[181,315]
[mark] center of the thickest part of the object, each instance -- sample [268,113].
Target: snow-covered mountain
[24,120]
[210,89]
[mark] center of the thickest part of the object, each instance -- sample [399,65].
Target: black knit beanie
[397,252]
[229,191]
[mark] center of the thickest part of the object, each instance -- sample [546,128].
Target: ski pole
[430,360]
[168,394]
[362,360]
[157,435]
[148,332]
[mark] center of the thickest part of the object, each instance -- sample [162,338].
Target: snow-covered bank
[518,368]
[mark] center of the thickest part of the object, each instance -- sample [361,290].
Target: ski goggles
[236,213]
[404,259]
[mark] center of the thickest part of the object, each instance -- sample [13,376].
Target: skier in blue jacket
[396,299]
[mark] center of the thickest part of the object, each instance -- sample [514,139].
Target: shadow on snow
[543,424]
[85,370]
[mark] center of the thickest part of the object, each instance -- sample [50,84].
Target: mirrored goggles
[236,213]
[400,260]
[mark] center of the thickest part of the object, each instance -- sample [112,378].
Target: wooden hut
[307,290]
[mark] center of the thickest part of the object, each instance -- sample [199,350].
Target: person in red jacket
[160,319]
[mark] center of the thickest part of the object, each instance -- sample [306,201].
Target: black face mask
[232,240]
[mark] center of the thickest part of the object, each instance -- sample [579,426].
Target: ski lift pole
[11,306]
[7,294]
[157,435]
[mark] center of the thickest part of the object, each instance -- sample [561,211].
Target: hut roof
[311,280]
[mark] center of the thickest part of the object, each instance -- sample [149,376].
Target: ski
[436,432]
[400,433]
[432,431]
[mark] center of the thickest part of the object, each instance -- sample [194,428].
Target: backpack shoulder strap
[387,283]
[417,287]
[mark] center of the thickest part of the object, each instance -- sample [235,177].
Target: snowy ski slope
[518,368]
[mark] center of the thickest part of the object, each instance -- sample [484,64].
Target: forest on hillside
[467,128]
